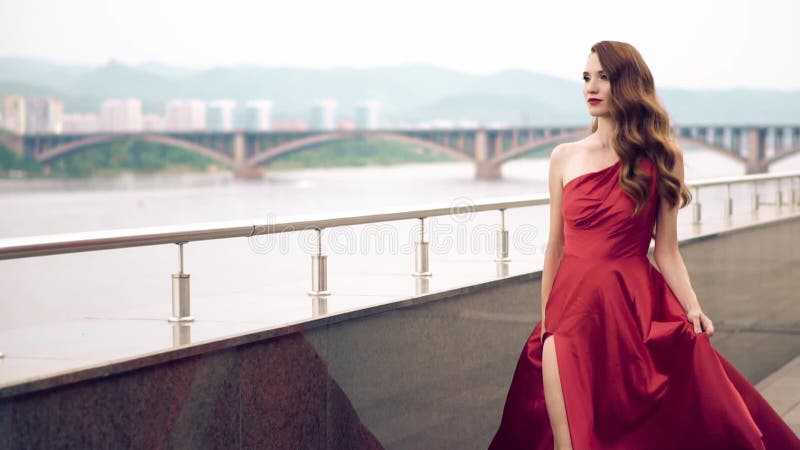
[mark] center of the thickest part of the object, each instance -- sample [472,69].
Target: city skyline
[29,115]
[687,44]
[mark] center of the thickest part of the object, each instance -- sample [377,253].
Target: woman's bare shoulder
[566,151]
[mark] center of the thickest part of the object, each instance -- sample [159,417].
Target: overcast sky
[691,44]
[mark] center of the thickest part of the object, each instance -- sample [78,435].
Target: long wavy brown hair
[641,126]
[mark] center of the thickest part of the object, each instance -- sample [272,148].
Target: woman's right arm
[555,242]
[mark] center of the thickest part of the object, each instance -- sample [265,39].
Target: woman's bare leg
[553,396]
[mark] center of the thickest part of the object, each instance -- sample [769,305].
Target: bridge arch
[689,142]
[69,147]
[781,156]
[567,137]
[533,145]
[341,136]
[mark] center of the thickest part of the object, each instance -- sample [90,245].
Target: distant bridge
[247,151]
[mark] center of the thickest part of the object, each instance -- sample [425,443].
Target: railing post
[319,270]
[696,211]
[754,203]
[779,194]
[422,285]
[421,268]
[181,334]
[319,306]
[502,240]
[795,198]
[502,269]
[180,292]
[728,203]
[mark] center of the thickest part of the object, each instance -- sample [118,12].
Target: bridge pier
[249,173]
[240,167]
[755,143]
[485,170]
[754,168]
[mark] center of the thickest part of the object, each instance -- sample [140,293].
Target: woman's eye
[603,77]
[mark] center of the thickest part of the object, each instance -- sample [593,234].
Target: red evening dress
[634,374]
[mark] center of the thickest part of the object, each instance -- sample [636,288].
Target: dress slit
[562,383]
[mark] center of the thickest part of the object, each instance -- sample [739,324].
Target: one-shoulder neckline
[591,173]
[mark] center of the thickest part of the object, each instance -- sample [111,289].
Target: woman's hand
[700,321]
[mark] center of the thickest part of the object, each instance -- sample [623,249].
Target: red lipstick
[594,101]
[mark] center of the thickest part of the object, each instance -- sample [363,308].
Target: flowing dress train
[634,374]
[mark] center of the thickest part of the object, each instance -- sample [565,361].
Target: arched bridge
[247,151]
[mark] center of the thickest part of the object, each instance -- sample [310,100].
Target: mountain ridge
[408,92]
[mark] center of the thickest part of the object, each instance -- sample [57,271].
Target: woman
[622,357]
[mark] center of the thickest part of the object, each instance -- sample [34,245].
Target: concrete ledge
[167,355]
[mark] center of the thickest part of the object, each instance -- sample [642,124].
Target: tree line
[149,157]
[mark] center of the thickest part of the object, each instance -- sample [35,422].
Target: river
[59,287]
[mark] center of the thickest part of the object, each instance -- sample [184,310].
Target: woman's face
[596,87]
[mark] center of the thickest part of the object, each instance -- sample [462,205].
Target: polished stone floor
[782,389]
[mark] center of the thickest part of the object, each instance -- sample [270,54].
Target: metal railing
[793,179]
[180,235]
[25,247]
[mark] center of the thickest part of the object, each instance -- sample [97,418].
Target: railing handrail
[719,181]
[54,244]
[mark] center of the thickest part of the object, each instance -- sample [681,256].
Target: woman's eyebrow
[599,71]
